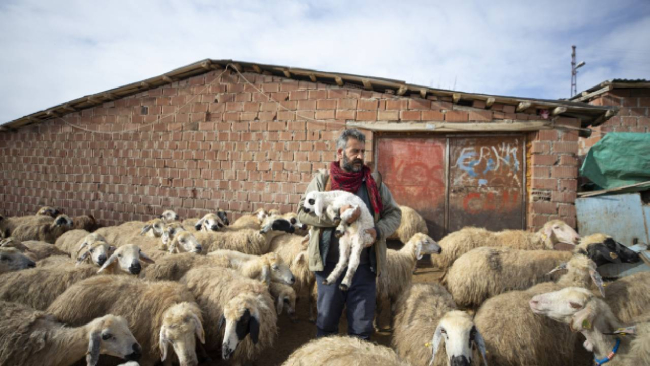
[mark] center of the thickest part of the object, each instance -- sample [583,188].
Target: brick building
[238,136]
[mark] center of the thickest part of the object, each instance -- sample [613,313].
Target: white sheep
[411,224]
[72,240]
[341,351]
[605,334]
[352,237]
[488,271]
[428,312]
[43,215]
[285,297]
[515,336]
[47,232]
[127,258]
[169,216]
[207,223]
[11,259]
[266,268]
[399,268]
[29,337]
[251,221]
[94,253]
[460,242]
[32,249]
[243,305]
[153,228]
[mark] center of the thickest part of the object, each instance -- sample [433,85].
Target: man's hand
[355,214]
[372,233]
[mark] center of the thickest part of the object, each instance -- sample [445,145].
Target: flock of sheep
[175,291]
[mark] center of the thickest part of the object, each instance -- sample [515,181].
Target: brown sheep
[43,232]
[11,259]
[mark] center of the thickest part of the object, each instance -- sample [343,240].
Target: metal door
[415,170]
[486,182]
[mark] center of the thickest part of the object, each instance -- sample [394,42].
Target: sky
[54,51]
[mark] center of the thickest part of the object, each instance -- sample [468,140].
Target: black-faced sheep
[47,232]
[602,249]
[160,313]
[411,224]
[29,337]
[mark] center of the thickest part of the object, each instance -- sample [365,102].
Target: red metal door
[415,171]
[486,182]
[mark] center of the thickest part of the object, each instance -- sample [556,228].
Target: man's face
[351,158]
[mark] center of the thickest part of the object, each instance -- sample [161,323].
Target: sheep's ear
[598,281]
[145,258]
[302,256]
[265,276]
[435,342]
[83,244]
[145,229]
[254,328]
[548,231]
[418,251]
[318,207]
[92,356]
[279,305]
[82,258]
[198,328]
[109,262]
[199,224]
[583,319]
[480,343]
[162,343]
[222,321]
[558,268]
[111,248]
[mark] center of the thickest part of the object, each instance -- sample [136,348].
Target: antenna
[574,71]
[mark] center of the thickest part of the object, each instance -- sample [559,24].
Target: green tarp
[619,159]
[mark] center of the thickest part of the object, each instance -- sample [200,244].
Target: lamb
[399,269]
[169,216]
[243,305]
[30,337]
[604,332]
[266,268]
[251,221]
[485,272]
[352,237]
[285,296]
[247,241]
[340,351]
[72,240]
[515,336]
[411,224]
[11,259]
[424,311]
[48,232]
[460,242]
[161,313]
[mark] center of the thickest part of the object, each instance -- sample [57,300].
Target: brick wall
[634,115]
[205,143]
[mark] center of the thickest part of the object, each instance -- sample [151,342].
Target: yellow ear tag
[613,255]
[427,344]
[586,324]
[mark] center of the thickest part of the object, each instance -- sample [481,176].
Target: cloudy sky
[54,51]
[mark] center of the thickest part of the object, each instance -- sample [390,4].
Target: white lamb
[352,237]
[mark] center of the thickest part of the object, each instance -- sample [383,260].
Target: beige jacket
[387,222]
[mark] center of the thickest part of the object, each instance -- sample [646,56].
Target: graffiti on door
[480,163]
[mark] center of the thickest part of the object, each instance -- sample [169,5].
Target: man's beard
[349,165]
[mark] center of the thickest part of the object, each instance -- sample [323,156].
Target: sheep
[266,268]
[460,242]
[72,240]
[301,229]
[209,222]
[251,221]
[352,237]
[43,232]
[94,253]
[399,269]
[85,222]
[411,224]
[605,336]
[11,259]
[153,228]
[293,250]
[38,250]
[243,305]
[161,313]
[342,351]
[30,337]
[247,241]
[173,267]
[629,296]
[602,249]
[127,258]
[183,241]
[487,271]
[285,296]
[169,216]
[423,311]
[169,231]
[43,215]
[515,336]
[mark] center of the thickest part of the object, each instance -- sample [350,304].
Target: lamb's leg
[344,254]
[354,259]
[343,226]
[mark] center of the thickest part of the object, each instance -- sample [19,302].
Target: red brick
[568,197]
[540,172]
[546,160]
[630,102]
[388,115]
[433,116]
[480,116]
[643,122]
[306,105]
[410,116]
[544,183]
[326,104]
[565,147]
[568,160]
[346,104]
[509,109]
[366,115]
[440,105]
[326,114]
[396,104]
[456,116]
[542,207]
[478,104]
[345,114]
[318,94]
[547,135]
[289,86]
[368,104]
[298,95]
[419,104]
[628,121]
[567,210]
[568,185]
[569,136]
[564,172]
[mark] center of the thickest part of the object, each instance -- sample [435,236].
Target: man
[349,174]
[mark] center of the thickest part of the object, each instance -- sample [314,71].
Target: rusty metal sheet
[486,182]
[415,170]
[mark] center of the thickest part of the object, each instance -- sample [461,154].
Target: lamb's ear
[583,319]
[222,321]
[598,281]
[82,258]
[435,342]
[92,356]
[418,251]
[145,229]
[162,343]
[318,206]
[198,327]
[558,268]
[279,305]
[480,343]
[145,258]
[109,262]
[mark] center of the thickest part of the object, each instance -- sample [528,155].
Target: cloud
[57,51]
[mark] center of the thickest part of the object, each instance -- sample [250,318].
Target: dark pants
[359,301]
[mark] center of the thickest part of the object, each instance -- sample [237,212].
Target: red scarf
[351,182]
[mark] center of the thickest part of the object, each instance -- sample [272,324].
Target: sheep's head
[602,249]
[63,221]
[127,258]
[185,242]
[276,223]
[241,318]
[292,217]
[557,231]
[110,335]
[583,269]
[223,215]
[13,243]
[274,269]
[90,238]
[11,259]
[209,222]
[98,252]
[459,332]
[169,216]
[48,211]
[561,305]
[286,298]
[423,244]
[181,325]
[169,232]
[261,214]
[153,228]
[314,203]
